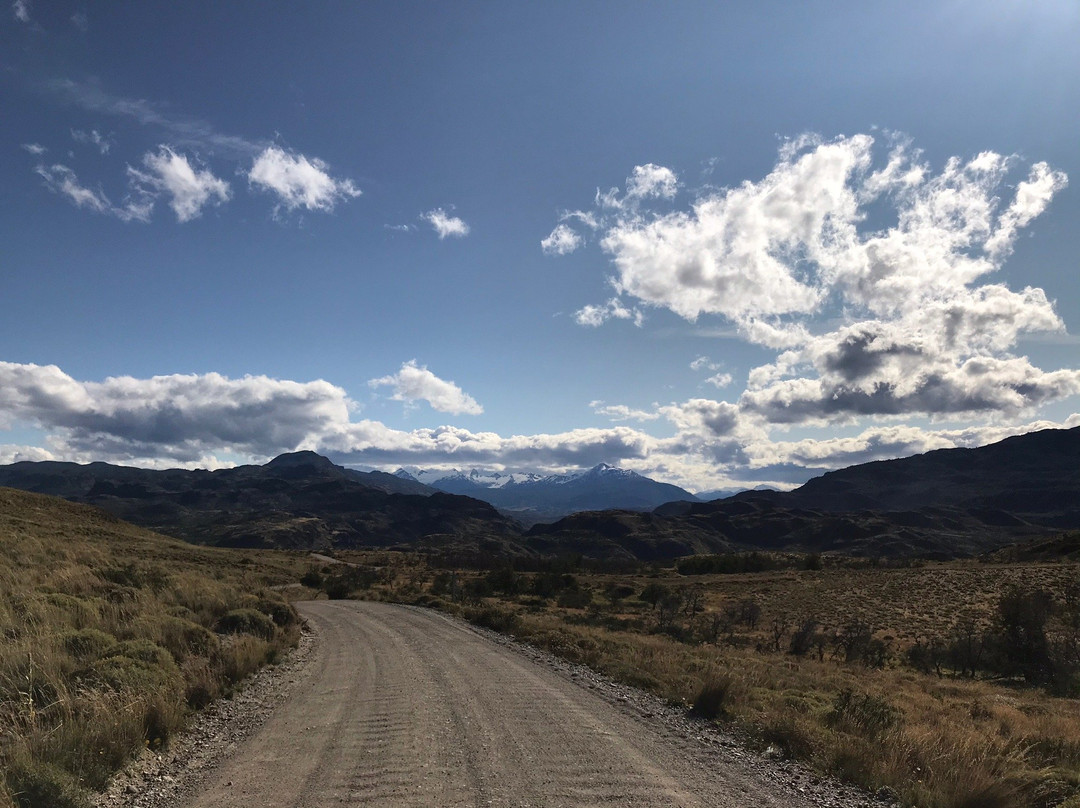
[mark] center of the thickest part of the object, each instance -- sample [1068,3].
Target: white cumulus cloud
[562,241]
[922,329]
[299,182]
[444,224]
[652,180]
[415,382]
[178,417]
[189,420]
[189,189]
[10,453]
[719,380]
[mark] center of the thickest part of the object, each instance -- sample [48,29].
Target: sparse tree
[778,630]
[804,637]
[667,609]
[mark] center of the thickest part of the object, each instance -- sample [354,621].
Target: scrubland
[951,685]
[112,636]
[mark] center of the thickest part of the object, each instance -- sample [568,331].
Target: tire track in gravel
[407,707]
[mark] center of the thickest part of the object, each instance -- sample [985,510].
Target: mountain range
[940,504]
[530,498]
[296,501]
[943,503]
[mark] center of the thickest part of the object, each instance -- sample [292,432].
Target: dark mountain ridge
[1033,477]
[940,504]
[296,501]
[944,503]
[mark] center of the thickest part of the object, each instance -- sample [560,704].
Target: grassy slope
[112,635]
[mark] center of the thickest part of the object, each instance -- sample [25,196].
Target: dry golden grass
[111,636]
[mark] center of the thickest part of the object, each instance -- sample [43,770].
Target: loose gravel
[206,759]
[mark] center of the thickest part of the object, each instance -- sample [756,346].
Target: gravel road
[398,706]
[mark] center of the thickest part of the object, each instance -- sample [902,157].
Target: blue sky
[720,244]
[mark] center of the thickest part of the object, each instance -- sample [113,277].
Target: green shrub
[34,784]
[125,674]
[653,593]
[312,578]
[713,698]
[79,611]
[146,652]
[862,713]
[87,643]
[575,598]
[185,639]
[550,584]
[343,582]
[504,621]
[283,614]
[247,621]
[137,576]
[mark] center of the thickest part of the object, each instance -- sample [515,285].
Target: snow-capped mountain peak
[529,495]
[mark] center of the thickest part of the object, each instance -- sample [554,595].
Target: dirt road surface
[407,707]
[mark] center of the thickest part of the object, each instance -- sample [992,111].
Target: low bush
[247,621]
[862,713]
[42,785]
[87,643]
[714,697]
[344,581]
[575,599]
[283,614]
[495,618]
[124,674]
[312,578]
[185,639]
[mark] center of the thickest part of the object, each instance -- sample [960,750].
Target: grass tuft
[714,698]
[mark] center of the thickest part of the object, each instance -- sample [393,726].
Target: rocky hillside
[940,504]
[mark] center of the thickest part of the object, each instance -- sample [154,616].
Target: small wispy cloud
[720,380]
[60,179]
[620,412]
[652,180]
[94,137]
[35,149]
[445,224]
[21,10]
[704,363]
[596,315]
[182,130]
[81,21]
